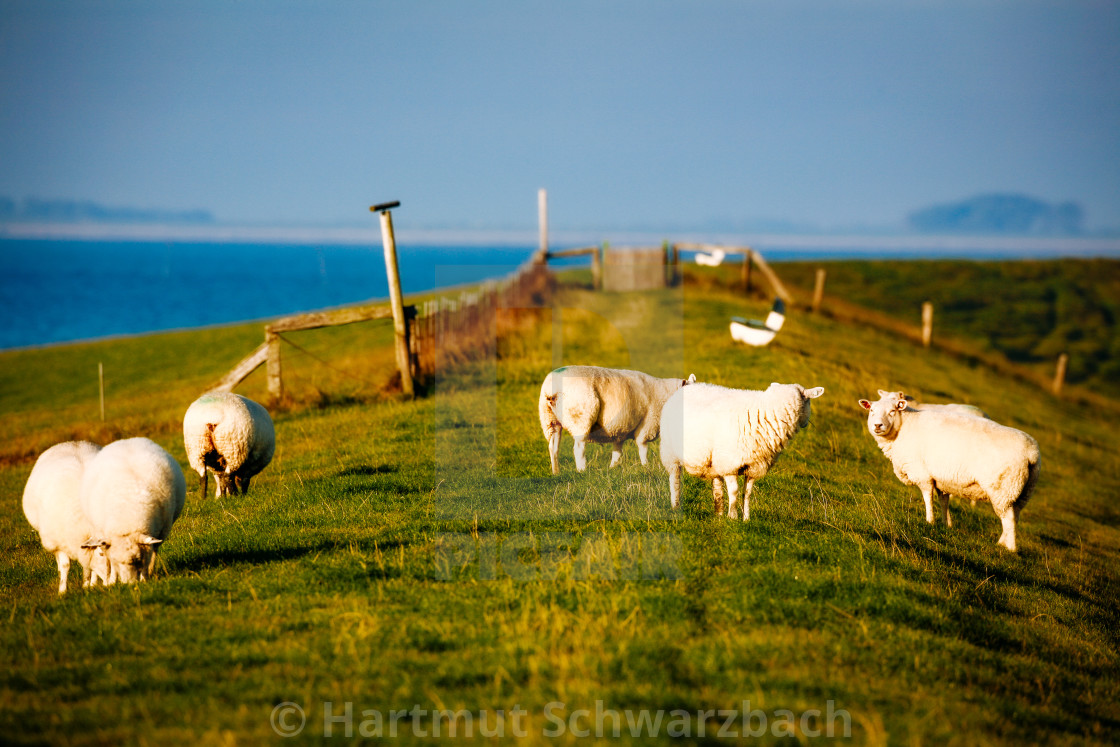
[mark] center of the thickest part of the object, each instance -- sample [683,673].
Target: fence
[437,332]
[642,268]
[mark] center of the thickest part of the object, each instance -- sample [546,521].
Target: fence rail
[438,332]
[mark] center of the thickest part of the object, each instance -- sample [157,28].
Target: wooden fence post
[1060,374]
[597,269]
[746,274]
[400,323]
[272,365]
[818,290]
[927,323]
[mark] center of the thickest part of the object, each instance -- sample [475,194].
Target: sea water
[58,291]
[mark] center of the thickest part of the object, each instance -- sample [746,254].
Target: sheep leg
[732,494]
[581,460]
[674,485]
[643,452]
[717,495]
[243,484]
[747,488]
[927,495]
[945,508]
[616,454]
[202,486]
[150,566]
[1010,521]
[63,570]
[554,450]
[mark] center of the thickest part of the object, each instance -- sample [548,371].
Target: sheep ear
[814,392]
[865,404]
[691,379]
[94,543]
[901,404]
[150,540]
[883,394]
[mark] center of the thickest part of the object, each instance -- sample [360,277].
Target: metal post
[396,300]
[542,214]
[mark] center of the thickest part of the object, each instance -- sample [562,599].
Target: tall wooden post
[542,217]
[597,269]
[1060,373]
[818,290]
[746,277]
[927,323]
[396,300]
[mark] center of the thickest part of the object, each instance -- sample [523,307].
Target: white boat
[759,333]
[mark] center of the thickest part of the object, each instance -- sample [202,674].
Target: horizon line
[849,240]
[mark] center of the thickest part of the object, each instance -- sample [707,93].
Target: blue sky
[633,114]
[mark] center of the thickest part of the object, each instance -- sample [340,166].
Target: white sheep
[602,405]
[231,435]
[52,504]
[715,432]
[944,452]
[960,409]
[132,492]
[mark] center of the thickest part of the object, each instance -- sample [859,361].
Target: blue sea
[58,291]
[55,291]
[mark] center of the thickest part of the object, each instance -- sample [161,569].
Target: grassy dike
[418,556]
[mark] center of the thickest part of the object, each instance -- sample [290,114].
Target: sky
[633,114]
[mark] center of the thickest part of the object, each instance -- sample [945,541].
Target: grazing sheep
[52,504]
[946,452]
[132,492]
[603,405]
[231,435]
[715,432]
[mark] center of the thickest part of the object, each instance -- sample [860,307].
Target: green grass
[1030,312]
[401,553]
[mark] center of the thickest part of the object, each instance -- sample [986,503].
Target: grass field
[400,558]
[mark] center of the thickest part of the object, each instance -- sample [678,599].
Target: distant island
[1001,214]
[74,211]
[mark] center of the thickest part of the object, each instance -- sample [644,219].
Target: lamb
[132,492]
[231,435]
[603,405]
[715,432]
[52,504]
[943,452]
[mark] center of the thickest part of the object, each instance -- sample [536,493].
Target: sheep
[972,410]
[944,452]
[603,405]
[961,409]
[52,504]
[132,492]
[231,435]
[715,432]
